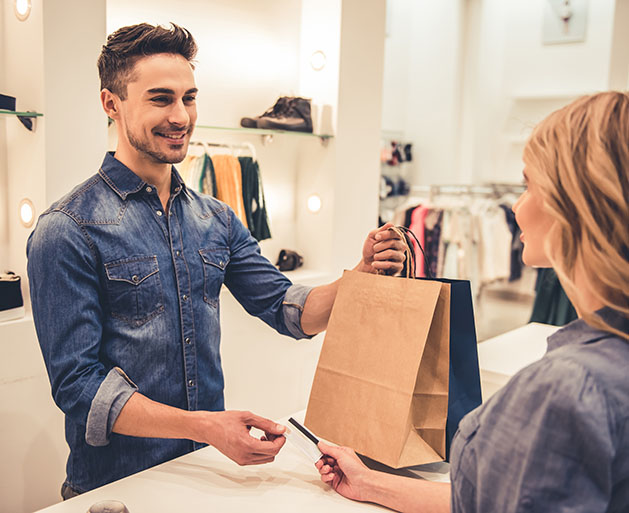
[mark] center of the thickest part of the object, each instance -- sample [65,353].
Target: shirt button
[135,278]
[184,297]
[149,189]
[190,383]
[159,213]
[187,340]
[177,252]
[177,189]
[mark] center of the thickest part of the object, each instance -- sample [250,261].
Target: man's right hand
[228,431]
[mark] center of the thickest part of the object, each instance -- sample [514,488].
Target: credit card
[303,439]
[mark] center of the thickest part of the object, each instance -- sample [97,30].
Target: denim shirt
[555,438]
[126,298]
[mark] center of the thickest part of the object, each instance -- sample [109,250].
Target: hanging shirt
[253,198]
[229,183]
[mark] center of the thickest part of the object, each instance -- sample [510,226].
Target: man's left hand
[383,252]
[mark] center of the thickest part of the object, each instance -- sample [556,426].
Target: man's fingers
[390,255]
[389,244]
[265,447]
[373,234]
[383,233]
[266,425]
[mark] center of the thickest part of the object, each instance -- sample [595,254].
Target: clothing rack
[468,189]
[232,147]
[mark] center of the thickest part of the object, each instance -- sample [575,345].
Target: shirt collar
[123,181]
[580,332]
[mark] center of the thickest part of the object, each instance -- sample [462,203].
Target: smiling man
[125,273]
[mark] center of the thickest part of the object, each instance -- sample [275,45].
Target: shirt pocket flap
[218,257]
[132,270]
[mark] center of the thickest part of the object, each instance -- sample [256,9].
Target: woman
[556,437]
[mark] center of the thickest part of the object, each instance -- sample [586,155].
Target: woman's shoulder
[574,377]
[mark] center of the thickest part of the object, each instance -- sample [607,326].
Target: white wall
[50,69]
[480,78]
[422,83]
[526,80]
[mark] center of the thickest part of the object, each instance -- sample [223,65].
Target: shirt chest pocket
[134,289]
[215,260]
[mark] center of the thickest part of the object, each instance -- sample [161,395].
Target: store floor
[502,307]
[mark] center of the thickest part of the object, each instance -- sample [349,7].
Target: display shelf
[28,119]
[267,135]
[21,114]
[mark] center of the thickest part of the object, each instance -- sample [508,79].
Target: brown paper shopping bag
[381,384]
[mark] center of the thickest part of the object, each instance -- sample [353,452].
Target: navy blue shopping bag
[464,391]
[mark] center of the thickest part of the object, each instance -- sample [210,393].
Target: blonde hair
[579,158]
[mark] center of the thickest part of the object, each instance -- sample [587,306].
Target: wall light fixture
[314,203]
[27,213]
[22,9]
[318,60]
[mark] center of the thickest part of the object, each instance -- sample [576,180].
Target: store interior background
[464,80]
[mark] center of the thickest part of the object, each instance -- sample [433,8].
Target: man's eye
[160,99]
[189,99]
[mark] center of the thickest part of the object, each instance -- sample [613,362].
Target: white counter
[501,357]
[206,480]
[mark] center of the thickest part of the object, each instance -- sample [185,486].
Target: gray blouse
[556,437]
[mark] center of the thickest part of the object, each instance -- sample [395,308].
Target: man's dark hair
[129,44]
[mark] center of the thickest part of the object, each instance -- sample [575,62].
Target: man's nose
[178,115]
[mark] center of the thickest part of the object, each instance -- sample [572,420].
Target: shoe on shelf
[288,113]
[11,303]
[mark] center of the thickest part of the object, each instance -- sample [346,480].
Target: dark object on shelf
[289,260]
[27,122]
[7,102]
[551,305]
[408,152]
[11,302]
[289,113]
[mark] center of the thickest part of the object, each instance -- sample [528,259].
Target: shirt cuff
[293,307]
[112,395]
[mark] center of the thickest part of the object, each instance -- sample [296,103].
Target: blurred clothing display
[236,181]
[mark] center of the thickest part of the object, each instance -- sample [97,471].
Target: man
[125,274]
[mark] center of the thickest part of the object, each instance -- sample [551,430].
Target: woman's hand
[343,471]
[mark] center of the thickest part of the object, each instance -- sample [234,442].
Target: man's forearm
[144,417]
[318,307]
[319,303]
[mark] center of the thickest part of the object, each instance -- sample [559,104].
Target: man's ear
[111,103]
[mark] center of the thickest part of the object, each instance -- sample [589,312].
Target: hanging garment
[432,236]
[209,177]
[229,183]
[418,218]
[253,198]
[495,258]
[516,244]
[551,305]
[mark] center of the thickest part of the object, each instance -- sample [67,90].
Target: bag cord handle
[409,252]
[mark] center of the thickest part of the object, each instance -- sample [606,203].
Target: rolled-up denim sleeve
[67,311]
[293,306]
[259,287]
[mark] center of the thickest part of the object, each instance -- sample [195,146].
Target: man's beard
[143,146]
